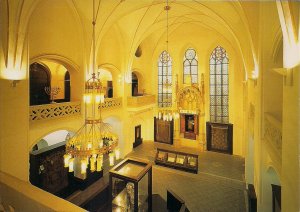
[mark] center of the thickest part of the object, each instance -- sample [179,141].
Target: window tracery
[219,85]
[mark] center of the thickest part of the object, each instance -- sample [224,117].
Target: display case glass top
[131,185]
[131,168]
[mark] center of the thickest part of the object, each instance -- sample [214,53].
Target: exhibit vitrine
[131,185]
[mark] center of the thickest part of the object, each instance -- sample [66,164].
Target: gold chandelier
[95,138]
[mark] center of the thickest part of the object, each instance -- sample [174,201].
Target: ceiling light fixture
[95,138]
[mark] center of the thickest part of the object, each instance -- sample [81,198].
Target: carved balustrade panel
[51,111]
[111,103]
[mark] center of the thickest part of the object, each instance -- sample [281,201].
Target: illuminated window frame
[164,76]
[219,86]
[190,66]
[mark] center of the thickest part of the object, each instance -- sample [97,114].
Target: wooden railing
[111,103]
[273,132]
[138,101]
[56,110]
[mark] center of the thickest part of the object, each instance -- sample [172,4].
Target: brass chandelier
[95,138]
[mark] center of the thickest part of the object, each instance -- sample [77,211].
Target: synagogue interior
[150,105]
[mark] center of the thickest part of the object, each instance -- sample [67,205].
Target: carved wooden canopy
[189,98]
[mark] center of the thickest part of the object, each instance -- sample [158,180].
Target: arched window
[219,85]
[190,66]
[165,80]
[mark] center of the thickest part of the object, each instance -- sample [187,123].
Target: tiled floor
[218,186]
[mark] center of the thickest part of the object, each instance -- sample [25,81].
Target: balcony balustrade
[139,101]
[55,110]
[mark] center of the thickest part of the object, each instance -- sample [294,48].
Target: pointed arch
[190,66]
[164,80]
[219,85]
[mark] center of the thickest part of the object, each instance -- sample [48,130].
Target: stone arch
[50,141]
[36,138]
[115,72]
[141,82]
[70,66]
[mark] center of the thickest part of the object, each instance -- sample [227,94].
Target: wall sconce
[14,83]
[14,75]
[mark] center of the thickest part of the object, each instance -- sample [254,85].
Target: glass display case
[177,160]
[131,185]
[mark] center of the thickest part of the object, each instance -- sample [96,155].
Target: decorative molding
[57,58]
[52,111]
[273,131]
[111,103]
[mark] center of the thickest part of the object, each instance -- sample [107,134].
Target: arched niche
[106,79]
[137,88]
[45,77]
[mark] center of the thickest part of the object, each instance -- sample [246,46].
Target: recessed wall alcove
[189,105]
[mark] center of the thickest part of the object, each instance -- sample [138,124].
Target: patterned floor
[218,186]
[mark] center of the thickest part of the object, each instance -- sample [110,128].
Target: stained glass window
[190,66]
[219,85]
[165,80]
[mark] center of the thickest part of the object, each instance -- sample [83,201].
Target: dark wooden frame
[185,166]
[252,198]
[137,140]
[276,196]
[229,138]
[187,134]
[134,179]
[171,133]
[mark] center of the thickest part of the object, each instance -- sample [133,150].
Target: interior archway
[39,79]
[106,79]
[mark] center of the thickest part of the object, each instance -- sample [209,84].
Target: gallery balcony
[53,111]
[67,109]
[111,103]
[135,103]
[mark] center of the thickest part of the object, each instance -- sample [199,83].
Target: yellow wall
[60,32]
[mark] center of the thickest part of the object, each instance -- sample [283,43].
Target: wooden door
[196,124]
[182,123]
